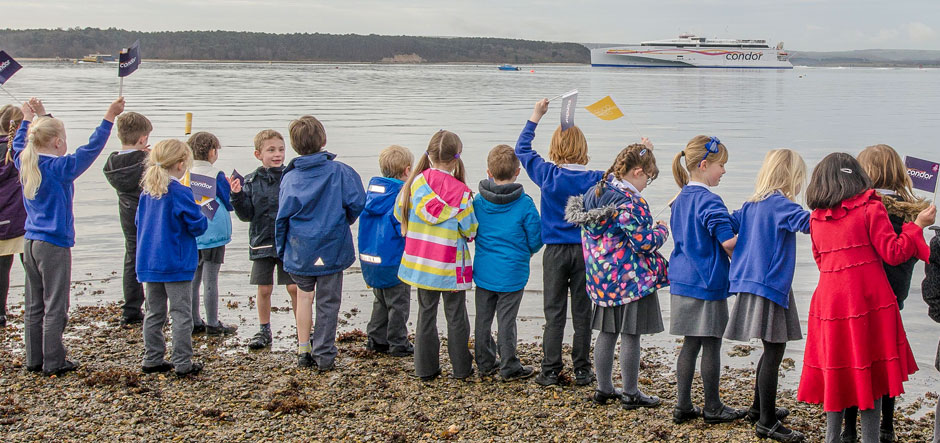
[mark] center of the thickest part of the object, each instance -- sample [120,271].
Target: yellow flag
[605,109]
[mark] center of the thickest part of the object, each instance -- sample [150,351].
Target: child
[856,347]
[256,202]
[318,201]
[562,261]
[124,170]
[47,174]
[509,234]
[211,244]
[168,221]
[380,249]
[437,220]
[703,232]
[624,269]
[12,211]
[761,275]
[931,294]
[890,180]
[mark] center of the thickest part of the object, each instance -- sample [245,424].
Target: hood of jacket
[498,197]
[310,161]
[589,209]
[449,196]
[381,195]
[903,209]
[124,171]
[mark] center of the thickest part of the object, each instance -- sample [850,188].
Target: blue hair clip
[457,155]
[643,152]
[711,147]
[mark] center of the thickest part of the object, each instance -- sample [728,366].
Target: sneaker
[639,400]
[547,378]
[522,374]
[601,398]
[69,366]
[680,416]
[162,367]
[753,414]
[199,329]
[779,433]
[584,377]
[194,369]
[305,360]
[221,329]
[261,340]
[724,414]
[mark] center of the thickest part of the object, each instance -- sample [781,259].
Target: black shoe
[162,367]
[680,416]
[431,377]
[199,329]
[305,360]
[36,369]
[492,372]
[221,329]
[724,415]
[402,352]
[326,368]
[261,340]
[601,398]
[887,435]
[754,415]
[547,378]
[69,366]
[3,321]
[194,369]
[583,377]
[848,436]
[131,321]
[779,433]
[639,400]
[381,348]
[464,378]
[522,374]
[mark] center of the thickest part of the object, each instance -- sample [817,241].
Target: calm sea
[367,107]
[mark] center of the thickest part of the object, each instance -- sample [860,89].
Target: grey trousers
[427,342]
[207,276]
[388,326]
[505,307]
[563,272]
[178,295]
[48,275]
[328,295]
[936,425]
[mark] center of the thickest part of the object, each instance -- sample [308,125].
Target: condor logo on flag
[129,60]
[8,67]
[923,173]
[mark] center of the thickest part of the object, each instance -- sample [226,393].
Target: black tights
[711,371]
[6,263]
[887,415]
[765,386]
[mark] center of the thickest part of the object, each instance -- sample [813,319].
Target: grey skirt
[754,316]
[694,317]
[640,317]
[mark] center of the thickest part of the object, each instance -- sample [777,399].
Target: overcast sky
[802,24]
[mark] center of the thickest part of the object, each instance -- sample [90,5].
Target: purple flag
[129,60]
[237,176]
[204,190]
[8,67]
[569,102]
[923,173]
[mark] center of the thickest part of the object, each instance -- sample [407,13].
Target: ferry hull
[653,57]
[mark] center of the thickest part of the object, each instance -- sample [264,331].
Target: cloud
[920,33]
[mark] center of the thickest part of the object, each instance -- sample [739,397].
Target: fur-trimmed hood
[903,209]
[577,215]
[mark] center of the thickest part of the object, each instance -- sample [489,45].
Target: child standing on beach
[703,232]
[509,234]
[48,175]
[168,222]
[856,348]
[124,170]
[211,244]
[381,246]
[624,269]
[436,215]
[762,275]
[12,211]
[889,178]
[931,294]
[319,199]
[256,202]
[562,261]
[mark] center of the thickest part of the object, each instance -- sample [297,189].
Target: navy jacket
[509,233]
[167,228]
[257,204]
[12,211]
[319,200]
[381,244]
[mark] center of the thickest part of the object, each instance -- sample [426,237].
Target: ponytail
[696,153]
[678,172]
[165,155]
[8,157]
[444,149]
[10,119]
[42,133]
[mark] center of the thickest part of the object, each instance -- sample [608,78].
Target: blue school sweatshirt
[381,244]
[557,184]
[167,228]
[49,216]
[509,233]
[765,256]
[698,266]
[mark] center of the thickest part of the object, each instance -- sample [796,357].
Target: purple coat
[12,211]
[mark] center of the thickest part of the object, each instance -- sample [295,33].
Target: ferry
[98,58]
[690,51]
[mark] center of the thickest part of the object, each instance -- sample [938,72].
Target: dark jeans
[563,272]
[505,307]
[133,290]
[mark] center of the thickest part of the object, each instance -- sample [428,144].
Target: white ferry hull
[665,57]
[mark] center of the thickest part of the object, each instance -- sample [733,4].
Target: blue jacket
[166,235]
[380,241]
[219,232]
[49,216]
[509,233]
[698,266]
[765,256]
[557,184]
[319,199]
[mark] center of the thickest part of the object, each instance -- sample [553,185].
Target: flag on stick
[569,102]
[8,67]
[129,60]
[923,174]
[605,109]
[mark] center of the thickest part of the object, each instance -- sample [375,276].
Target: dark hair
[202,143]
[634,156]
[307,135]
[836,178]
[502,162]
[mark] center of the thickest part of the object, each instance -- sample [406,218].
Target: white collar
[573,167]
[174,178]
[886,192]
[43,154]
[695,183]
[625,184]
[201,163]
[446,172]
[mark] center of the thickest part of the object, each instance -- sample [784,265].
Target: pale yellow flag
[605,109]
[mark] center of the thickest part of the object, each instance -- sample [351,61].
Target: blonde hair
[887,170]
[394,160]
[164,155]
[568,147]
[266,135]
[783,170]
[695,153]
[443,149]
[42,133]
[10,119]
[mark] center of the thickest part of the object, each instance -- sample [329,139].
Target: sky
[809,25]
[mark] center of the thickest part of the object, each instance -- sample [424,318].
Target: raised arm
[534,164]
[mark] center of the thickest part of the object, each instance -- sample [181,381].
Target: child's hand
[926,217]
[235,184]
[28,113]
[37,107]
[541,107]
[116,108]
[646,142]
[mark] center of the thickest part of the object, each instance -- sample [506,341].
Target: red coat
[856,348]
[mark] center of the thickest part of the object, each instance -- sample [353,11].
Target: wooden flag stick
[16,100]
[121,88]
[556,97]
